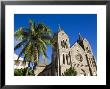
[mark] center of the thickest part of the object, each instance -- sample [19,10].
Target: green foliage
[70,72]
[19,72]
[22,72]
[33,40]
[31,72]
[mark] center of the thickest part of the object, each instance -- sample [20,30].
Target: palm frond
[23,50]
[42,42]
[20,44]
[20,34]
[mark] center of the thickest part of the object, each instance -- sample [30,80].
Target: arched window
[65,43]
[67,59]
[63,59]
[61,43]
[69,55]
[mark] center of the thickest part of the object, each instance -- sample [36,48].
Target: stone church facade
[79,56]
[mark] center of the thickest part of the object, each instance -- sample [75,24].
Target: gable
[78,54]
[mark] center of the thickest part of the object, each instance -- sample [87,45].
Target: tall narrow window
[63,59]
[67,59]
[63,44]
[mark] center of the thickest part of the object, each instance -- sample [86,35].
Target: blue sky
[72,24]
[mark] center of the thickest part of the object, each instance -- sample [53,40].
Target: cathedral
[64,56]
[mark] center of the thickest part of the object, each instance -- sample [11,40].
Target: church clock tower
[61,56]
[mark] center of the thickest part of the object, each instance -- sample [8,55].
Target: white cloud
[16,56]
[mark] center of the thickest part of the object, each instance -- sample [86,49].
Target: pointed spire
[59,28]
[80,37]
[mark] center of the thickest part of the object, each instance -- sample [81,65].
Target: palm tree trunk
[36,59]
[26,72]
[27,69]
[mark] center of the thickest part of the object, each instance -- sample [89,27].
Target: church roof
[76,44]
[41,65]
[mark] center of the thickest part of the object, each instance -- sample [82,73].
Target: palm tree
[33,41]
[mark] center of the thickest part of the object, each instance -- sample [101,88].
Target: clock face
[79,57]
